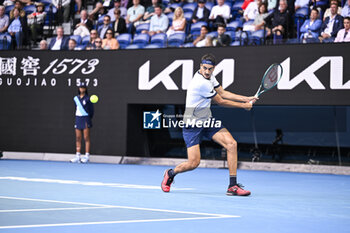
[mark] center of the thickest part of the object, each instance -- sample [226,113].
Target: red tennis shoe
[237,190]
[167,181]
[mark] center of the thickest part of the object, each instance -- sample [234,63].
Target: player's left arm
[231,96]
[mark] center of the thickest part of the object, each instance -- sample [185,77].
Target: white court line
[208,215]
[112,222]
[54,209]
[122,207]
[88,183]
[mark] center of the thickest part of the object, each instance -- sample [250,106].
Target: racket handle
[256,96]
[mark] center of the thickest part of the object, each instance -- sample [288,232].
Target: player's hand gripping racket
[270,79]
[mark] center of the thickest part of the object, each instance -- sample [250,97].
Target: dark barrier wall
[37,88]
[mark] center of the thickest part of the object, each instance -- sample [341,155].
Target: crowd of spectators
[118,24]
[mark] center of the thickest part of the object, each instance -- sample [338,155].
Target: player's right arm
[231,104]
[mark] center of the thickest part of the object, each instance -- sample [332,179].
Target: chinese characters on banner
[34,74]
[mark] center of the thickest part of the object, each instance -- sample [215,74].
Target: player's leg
[194,157]
[78,137]
[225,139]
[85,158]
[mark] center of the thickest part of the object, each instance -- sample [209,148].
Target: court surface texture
[59,197]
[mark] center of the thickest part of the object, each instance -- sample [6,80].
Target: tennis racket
[270,79]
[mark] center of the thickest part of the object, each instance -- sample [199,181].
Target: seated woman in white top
[179,22]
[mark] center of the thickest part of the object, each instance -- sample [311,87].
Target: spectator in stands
[179,22]
[82,26]
[101,8]
[110,42]
[98,43]
[93,37]
[134,15]
[63,10]
[258,23]
[36,21]
[220,13]
[159,22]
[344,34]
[200,13]
[301,4]
[328,11]
[332,24]
[222,39]
[311,28]
[202,40]
[60,42]
[72,44]
[252,10]
[278,21]
[18,28]
[119,25]
[19,6]
[117,6]
[150,11]
[106,26]
[4,20]
[43,45]
[346,9]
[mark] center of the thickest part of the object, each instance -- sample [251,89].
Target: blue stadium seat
[242,37]
[8,9]
[188,16]
[300,16]
[209,5]
[159,39]
[46,2]
[165,3]
[174,5]
[100,20]
[189,7]
[196,27]
[232,26]
[29,9]
[257,37]
[134,46]
[5,41]
[124,40]
[213,34]
[237,5]
[85,40]
[176,39]
[153,46]
[50,16]
[141,39]
[189,45]
[170,17]
[77,38]
[141,27]
[80,47]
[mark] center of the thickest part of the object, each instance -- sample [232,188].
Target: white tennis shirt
[198,98]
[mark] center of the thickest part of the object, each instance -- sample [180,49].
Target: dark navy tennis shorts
[82,122]
[194,135]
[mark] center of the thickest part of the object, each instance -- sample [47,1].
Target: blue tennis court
[40,196]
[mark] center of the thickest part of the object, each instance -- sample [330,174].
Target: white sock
[77,154]
[87,154]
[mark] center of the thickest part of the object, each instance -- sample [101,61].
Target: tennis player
[202,90]
[83,115]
